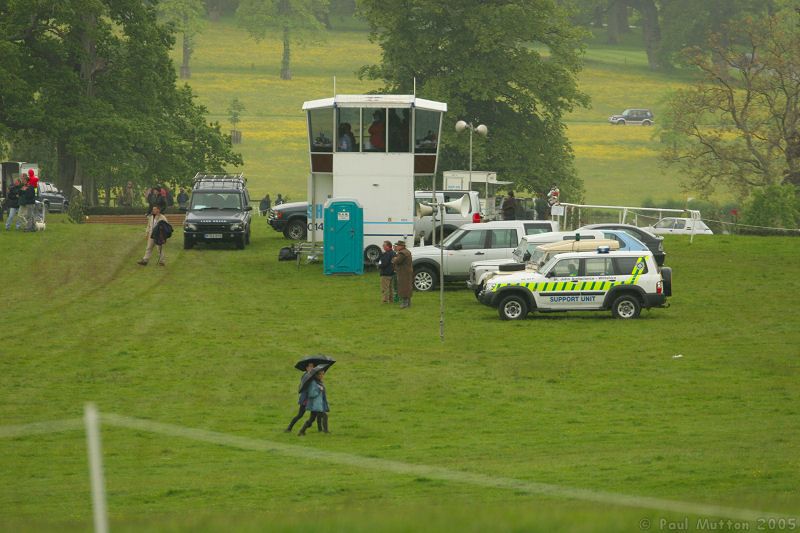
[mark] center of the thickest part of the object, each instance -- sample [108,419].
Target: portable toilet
[344,236]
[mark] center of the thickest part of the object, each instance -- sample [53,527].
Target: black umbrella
[315,359]
[310,375]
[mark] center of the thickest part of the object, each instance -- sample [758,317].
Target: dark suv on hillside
[219,211]
[633,116]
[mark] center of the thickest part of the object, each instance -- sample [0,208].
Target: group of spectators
[396,273]
[21,200]
[266,203]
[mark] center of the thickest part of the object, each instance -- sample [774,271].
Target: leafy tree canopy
[94,78]
[739,125]
[510,65]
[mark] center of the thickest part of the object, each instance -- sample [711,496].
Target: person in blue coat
[302,399]
[317,403]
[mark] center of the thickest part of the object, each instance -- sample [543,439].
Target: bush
[76,211]
[776,206]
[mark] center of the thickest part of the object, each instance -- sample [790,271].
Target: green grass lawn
[618,165]
[576,400]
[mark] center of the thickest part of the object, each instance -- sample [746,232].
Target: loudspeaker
[461,205]
[425,210]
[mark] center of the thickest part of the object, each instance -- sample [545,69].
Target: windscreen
[215,200]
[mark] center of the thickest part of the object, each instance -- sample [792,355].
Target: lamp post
[482,130]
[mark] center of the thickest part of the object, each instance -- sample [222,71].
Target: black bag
[286,254]
[161,232]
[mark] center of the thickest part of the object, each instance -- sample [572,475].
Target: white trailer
[371,147]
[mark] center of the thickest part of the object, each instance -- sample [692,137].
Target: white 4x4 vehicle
[470,242]
[624,282]
[484,269]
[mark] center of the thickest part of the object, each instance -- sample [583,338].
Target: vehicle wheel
[513,307]
[46,207]
[372,254]
[626,306]
[247,236]
[295,230]
[646,123]
[424,279]
[666,275]
[240,242]
[620,123]
[478,292]
[188,242]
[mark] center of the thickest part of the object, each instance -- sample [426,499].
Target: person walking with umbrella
[405,273]
[317,401]
[306,365]
[302,397]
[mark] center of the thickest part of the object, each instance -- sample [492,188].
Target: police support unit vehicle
[624,282]
[219,211]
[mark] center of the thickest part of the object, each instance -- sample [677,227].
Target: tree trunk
[617,20]
[286,74]
[66,169]
[651,32]
[187,50]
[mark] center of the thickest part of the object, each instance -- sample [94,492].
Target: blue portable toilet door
[344,237]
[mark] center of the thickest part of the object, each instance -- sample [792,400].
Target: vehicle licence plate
[213,235]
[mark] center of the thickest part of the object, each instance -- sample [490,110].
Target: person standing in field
[183,199]
[27,200]
[405,273]
[12,202]
[154,220]
[265,205]
[386,272]
[302,400]
[317,403]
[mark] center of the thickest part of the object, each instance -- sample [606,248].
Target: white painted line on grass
[40,428]
[434,472]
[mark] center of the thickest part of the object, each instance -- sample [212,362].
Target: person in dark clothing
[302,399]
[12,203]
[265,205]
[317,403]
[27,201]
[183,199]
[279,200]
[509,207]
[157,197]
[386,269]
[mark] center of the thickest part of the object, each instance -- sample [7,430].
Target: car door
[501,243]
[597,275]
[561,291]
[472,246]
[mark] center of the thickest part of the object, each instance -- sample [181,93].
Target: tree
[188,18]
[686,23]
[94,78]
[510,65]
[297,20]
[738,126]
[234,115]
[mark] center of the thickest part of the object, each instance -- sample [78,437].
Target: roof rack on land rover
[237,180]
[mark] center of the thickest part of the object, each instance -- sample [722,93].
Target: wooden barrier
[175,219]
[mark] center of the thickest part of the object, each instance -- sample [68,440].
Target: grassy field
[618,165]
[577,400]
